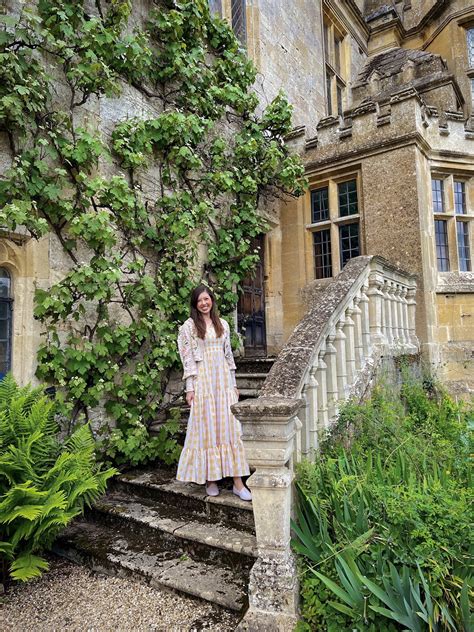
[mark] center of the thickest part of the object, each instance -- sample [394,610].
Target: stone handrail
[365,314]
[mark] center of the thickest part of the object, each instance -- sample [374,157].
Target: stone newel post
[269,425]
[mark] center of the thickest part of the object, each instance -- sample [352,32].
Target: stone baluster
[387,309]
[358,341]
[331,377]
[301,436]
[376,307]
[398,306]
[268,429]
[312,394]
[394,312]
[321,378]
[404,315]
[349,332]
[340,344]
[411,303]
[365,315]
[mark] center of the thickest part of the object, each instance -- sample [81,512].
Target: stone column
[411,302]
[268,432]
[340,344]
[358,341]
[323,418]
[387,304]
[376,307]
[349,328]
[364,307]
[312,410]
[332,391]
[404,316]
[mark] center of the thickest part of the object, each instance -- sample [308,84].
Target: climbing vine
[142,207]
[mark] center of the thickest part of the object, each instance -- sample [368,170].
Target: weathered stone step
[160,485]
[254,365]
[181,530]
[124,553]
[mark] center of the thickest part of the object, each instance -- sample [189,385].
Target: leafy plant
[389,513]
[188,177]
[43,484]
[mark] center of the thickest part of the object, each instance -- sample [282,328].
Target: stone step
[161,485]
[250,380]
[254,365]
[123,552]
[179,529]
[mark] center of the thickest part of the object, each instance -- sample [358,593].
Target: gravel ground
[71,597]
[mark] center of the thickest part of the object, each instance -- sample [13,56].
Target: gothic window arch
[6,317]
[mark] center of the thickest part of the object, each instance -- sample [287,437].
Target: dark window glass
[239,20]
[322,254]
[337,54]
[460,197]
[329,77]
[349,242]
[5,322]
[437,192]
[348,198]
[319,205]
[470,47]
[339,93]
[442,252]
[216,7]
[464,251]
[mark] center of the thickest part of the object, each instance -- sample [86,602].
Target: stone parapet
[365,314]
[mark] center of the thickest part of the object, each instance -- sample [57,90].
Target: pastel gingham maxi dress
[213,447]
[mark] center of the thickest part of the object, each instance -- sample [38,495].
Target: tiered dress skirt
[213,447]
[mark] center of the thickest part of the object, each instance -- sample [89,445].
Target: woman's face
[204,303]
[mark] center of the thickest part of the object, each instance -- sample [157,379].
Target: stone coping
[285,377]
[275,407]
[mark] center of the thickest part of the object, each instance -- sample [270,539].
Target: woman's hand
[189,398]
[237,392]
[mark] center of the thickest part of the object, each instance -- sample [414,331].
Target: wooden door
[251,308]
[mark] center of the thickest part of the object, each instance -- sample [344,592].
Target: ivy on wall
[131,207]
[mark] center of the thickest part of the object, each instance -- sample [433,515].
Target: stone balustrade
[366,314]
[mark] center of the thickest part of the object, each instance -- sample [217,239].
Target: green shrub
[43,484]
[385,516]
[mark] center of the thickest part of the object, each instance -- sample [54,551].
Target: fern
[43,484]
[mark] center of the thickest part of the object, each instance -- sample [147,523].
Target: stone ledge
[455,283]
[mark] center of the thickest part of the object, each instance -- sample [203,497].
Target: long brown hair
[197,316]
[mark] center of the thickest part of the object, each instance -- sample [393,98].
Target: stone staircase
[169,534]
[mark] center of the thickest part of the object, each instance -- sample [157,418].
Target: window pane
[5,337]
[464,251]
[339,99]
[322,254]
[216,7]
[320,205]
[442,252]
[460,197]
[5,283]
[349,242]
[337,54]
[437,193]
[239,20]
[470,47]
[329,77]
[348,198]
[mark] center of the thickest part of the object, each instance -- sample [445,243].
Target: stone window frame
[7,301]
[452,215]
[336,58]
[236,13]
[335,220]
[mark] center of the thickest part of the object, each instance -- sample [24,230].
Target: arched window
[6,305]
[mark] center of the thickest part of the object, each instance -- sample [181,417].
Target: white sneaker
[243,494]
[212,489]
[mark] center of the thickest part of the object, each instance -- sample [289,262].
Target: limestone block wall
[455,337]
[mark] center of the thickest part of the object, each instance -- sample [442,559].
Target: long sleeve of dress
[229,356]
[185,352]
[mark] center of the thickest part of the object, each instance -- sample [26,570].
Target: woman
[213,448]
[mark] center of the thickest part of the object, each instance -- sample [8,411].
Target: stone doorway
[251,307]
